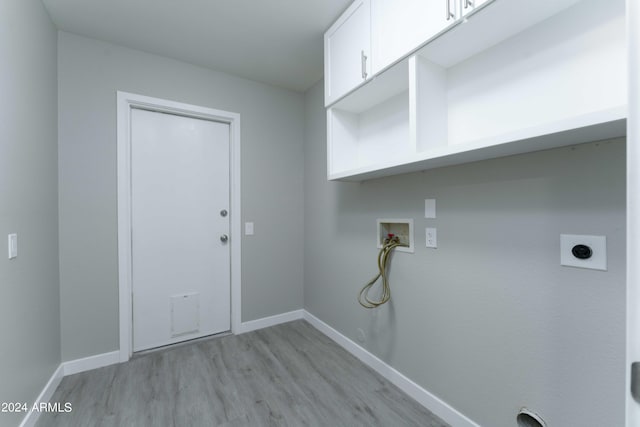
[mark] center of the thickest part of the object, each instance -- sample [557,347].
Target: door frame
[125,103]
[633,208]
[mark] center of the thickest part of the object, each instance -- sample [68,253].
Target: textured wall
[29,306]
[90,73]
[489,321]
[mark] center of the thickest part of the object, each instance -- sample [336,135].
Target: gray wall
[90,73]
[489,321]
[29,306]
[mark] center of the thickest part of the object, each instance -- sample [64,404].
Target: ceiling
[277,42]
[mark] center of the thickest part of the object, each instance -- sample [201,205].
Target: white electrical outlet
[583,251]
[432,237]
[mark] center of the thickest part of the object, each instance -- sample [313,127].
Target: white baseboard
[31,418]
[92,362]
[69,368]
[422,396]
[265,322]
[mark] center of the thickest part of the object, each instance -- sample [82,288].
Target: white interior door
[180,263]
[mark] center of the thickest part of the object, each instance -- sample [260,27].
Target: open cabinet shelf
[560,82]
[372,127]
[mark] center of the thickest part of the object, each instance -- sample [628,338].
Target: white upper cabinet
[400,26]
[513,77]
[347,51]
[469,6]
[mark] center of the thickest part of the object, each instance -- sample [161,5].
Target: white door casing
[126,104]
[180,262]
[633,207]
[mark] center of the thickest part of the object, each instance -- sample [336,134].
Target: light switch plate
[13,245]
[430,208]
[248,229]
[598,245]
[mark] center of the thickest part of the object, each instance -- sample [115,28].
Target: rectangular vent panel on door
[185,314]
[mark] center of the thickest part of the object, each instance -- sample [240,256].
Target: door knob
[224,238]
[223,213]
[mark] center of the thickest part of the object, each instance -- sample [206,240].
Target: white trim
[266,322]
[46,394]
[633,209]
[125,102]
[92,362]
[422,396]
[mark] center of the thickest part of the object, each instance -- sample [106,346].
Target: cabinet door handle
[450,13]
[468,3]
[363,61]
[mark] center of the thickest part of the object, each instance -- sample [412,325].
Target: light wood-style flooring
[286,375]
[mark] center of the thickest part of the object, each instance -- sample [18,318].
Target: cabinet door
[400,26]
[469,6]
[347,49]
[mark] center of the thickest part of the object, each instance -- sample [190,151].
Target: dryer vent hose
[390,243]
